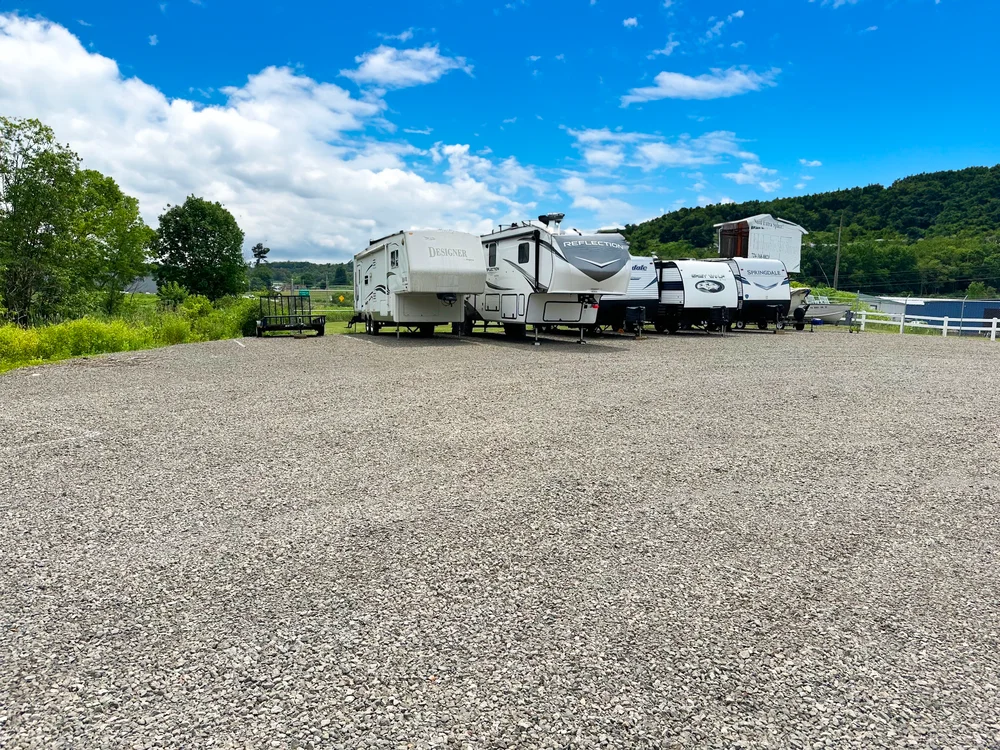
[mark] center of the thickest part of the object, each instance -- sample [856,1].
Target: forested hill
[888,232]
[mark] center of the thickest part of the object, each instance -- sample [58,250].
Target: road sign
[303,292]
[341,298]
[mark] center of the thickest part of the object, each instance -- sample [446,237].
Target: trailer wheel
[672,327]
[762,325]
[780,325]
[368,326]
[515,330]
[320,330]
[376,327]
[660,326]
[426,330]
[740,325]
[467,326]
[800,326]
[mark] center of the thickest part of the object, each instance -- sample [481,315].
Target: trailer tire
[426,330]
[467,326]
[368,325]
[660,326]
[320,330]
[740,325]
[762,325]
[800,326]
[780,325]
[376,327]
[672,327]
[515,330]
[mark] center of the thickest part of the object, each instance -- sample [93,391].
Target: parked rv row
[535,273]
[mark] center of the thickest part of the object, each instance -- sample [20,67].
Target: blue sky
[320,124]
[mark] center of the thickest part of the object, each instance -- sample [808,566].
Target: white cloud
[667,50]
[737,45]
[752,173]
[84,23]
[800,186]
[510,121]
[398,68]
[153,41]
[630,23]
[810,163]
[403,36]
[610,148]
[560,57]
[534,58]
[870,29]
[807,177]
[288,155]
[704,200]
[598,199]
[418,131]
[717,84]
[716,29]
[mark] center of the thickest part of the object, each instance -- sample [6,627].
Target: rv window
[394,259]
[523,252]
[493,254]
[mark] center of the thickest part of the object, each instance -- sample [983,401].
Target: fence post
[864,318]
[902,320]
[944,328]
[993,330]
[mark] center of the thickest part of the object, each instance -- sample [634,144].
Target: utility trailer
[288,313]
[417,279]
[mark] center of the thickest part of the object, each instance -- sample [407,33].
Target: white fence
[954,326]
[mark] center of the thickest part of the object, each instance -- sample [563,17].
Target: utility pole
[836,268]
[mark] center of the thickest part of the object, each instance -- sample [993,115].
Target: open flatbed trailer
[288,313]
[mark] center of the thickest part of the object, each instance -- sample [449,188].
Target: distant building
[935,307]
[143,285]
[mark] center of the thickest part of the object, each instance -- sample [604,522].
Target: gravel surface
[750,541]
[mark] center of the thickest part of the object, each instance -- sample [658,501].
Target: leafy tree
[112,236]
[200,246]
[37,202]
[172,294]
[340,276]
[259,254]
[979,290]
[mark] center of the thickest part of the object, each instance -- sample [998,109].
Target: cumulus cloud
[810,163]
[598,199]
[403,36]
[717,84]
[751,173]
[288,155]
[630,23]
[153,40]
[393,68]
[716,29]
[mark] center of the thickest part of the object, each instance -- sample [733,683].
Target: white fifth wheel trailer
[541,275]
[695,294]
[762,237]
[764,291]
[417,279]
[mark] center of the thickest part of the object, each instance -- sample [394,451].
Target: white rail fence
[953,326]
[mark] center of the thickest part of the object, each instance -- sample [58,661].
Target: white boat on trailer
[539,274]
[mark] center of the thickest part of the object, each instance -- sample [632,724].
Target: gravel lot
[750,541]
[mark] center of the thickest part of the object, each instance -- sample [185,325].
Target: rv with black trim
[764,291]
[642,292]
[695,294]
[417,279]
[541,275]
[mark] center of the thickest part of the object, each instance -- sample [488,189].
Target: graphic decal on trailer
[710,286]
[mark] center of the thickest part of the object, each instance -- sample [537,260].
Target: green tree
[172,294]
[340,276]
[112,236]
[259,254]
[979,290]
[38,191]
[200,246]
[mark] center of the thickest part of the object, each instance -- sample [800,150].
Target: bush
[143,327]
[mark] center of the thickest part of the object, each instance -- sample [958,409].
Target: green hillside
[935,233]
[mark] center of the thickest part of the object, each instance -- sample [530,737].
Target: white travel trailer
[642,292]
[763,237]
[538,274]
[417,279]
[764,291]
[695,294]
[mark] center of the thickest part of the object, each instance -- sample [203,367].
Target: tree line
[71,241]
[935,233]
